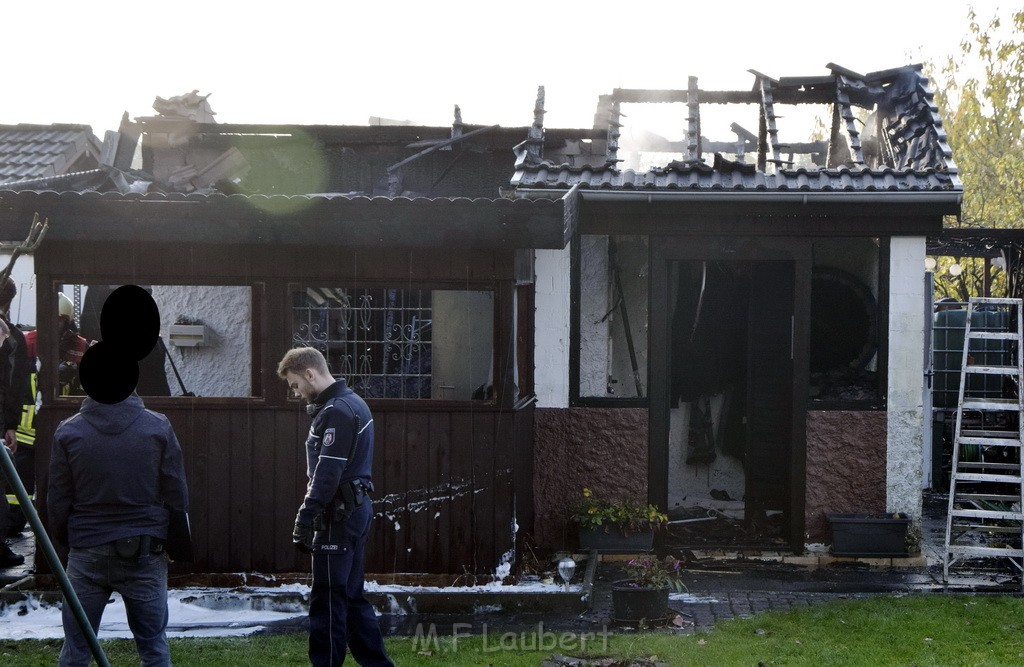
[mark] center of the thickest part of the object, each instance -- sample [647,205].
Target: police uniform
[339,456]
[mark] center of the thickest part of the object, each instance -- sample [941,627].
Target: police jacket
[339,447]
[115,471]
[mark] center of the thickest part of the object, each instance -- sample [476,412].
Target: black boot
[8,558]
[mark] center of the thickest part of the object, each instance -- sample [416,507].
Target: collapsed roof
[885,135]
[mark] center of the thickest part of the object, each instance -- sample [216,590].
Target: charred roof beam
[842,105]
[614,123]
[693,143]
[767,130]
[394,174]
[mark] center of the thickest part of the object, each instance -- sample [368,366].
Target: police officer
[333,522]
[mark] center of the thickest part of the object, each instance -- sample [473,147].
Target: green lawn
[913,630]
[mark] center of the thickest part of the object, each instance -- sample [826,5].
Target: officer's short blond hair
[298,359]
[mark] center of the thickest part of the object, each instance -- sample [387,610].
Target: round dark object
[106,374]
[844,321]
[631,604]
[130,320]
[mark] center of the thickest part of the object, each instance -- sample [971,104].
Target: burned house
[389,248]
[744,313]
[725,325]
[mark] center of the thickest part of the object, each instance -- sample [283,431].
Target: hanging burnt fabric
[702,433]
[709,330]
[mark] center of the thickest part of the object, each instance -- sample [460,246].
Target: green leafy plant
[627,516]
[656,573]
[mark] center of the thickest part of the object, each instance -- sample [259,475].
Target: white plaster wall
[595,301]
[224,366]
[906,367]
[551,340]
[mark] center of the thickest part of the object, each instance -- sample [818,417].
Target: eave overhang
[813,213]
[345,221]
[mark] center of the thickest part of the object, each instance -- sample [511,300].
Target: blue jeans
[95,573]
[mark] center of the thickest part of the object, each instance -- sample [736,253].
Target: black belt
[133,547]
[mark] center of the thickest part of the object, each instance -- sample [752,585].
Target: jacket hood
[112,418]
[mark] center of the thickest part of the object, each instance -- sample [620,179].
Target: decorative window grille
[378,339]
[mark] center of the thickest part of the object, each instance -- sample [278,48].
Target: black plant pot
[868,534]
[613,541]
[631,604]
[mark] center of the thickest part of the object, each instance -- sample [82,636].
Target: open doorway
[731,402]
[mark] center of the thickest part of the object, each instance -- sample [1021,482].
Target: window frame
[501,328]
[575,296]
[49,358]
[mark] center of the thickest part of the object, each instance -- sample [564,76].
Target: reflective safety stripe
[26,432]
[13,499]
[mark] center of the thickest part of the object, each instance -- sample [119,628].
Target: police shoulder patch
[328,437]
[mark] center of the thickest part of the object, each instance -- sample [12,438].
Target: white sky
[337,63]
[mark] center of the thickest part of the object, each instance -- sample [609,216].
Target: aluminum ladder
[986,489]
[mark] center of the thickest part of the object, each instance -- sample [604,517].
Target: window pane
[401,343]
[613,316]
[207,331]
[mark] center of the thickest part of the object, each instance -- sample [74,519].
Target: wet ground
[728,585]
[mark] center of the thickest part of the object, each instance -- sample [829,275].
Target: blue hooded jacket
[115,471]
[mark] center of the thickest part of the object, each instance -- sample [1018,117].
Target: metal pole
[51,556]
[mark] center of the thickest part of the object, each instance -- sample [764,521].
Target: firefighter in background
[71,347]
[24,458]
[14,378]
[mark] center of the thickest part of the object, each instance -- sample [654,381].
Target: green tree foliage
[980,93]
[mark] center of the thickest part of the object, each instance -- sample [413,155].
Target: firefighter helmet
[64,306]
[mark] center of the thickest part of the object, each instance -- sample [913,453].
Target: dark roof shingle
[40,151]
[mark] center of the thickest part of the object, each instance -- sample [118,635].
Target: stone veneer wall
[604,449]
[846,467]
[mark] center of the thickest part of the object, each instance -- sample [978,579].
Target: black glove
[302,537]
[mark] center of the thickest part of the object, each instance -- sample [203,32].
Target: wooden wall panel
[447,479]
[482,447]
[438,466]
[444,499]
[462,487]
[417,483]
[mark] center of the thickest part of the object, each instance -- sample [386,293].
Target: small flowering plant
[593,513]
[653,572]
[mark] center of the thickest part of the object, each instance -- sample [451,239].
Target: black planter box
[868,535]
[614,541]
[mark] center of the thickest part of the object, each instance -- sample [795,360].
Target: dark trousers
[24,463]
[339,614]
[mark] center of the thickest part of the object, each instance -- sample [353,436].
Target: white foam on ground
[32,619]
[194,612]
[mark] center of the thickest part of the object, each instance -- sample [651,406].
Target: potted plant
[643,596]
[616,525]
